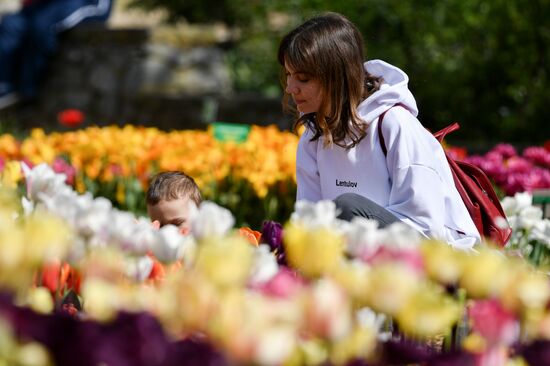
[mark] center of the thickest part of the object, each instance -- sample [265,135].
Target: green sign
[230,131]
[541,196]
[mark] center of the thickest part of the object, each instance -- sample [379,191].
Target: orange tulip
[252,236]
[59,278]
[158,272]
[49,277]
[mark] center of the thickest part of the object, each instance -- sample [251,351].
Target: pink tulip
[283,285]
[493,322]
[513,173]
[411,257]
[61,166]
[505,150]
[498,326]
[518,164]
[537,155]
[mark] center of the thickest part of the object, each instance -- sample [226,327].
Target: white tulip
[523,200]
[367,317]
[43,181]
[264,265]
[211,220]
[315,215]
[27,205]
[121,230]
[363,236]
[541,232]
[401,235]
[529,216]
[275,345]
[510,206]
[170,245]
[139,268]
[144,236]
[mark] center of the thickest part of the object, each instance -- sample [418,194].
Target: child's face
[306,92]
[175,212]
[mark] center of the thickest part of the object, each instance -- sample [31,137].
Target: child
[169,199]
[340,99]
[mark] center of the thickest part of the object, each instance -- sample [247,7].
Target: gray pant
[351,204]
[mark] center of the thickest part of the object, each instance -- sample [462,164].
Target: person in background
[29,37]
[339,99]
[169,199]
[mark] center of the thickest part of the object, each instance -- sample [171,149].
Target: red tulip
[70,117]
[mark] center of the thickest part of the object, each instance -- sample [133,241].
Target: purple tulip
[130,339]
[272,235]
[404,352]
[537,353]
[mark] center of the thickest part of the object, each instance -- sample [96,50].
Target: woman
[340,99]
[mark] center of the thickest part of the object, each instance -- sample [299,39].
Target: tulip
[70,117]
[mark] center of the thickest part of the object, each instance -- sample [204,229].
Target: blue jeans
[351,205]
[29,38]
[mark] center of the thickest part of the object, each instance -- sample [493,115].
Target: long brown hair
[329,48]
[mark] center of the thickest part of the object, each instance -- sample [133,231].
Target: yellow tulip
[12,174]
[528,289]
[484,274]
[354,278]
[359,344]
[390,287]
[443,263]
[101,299]
[313,252]
[46,238]
[32,354]
[9,147]
[40,300]
[428,313]
[225,261]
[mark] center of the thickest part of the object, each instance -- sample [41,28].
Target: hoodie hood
[393,90]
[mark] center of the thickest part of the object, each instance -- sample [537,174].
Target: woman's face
[306,91]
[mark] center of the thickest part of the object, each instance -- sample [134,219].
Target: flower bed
[512,172]
[254,179]
[87,283]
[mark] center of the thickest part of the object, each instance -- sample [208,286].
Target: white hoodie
[413,181]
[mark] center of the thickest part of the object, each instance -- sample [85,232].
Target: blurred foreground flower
[498,327]
[314,252]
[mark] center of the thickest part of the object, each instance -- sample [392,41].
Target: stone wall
[119,76]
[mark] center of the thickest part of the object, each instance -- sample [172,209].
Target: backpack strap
[380,135]
[439,135]
[380,120]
